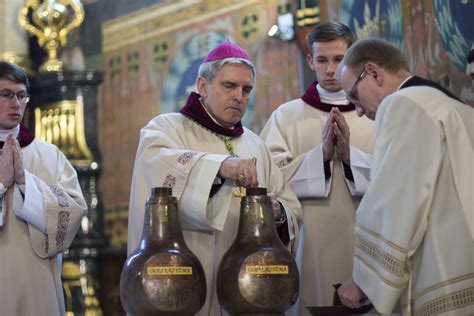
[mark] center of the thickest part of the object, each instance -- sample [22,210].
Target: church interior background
[132,60]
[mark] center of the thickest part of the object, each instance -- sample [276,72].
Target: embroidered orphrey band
[60,196]
[447,302]
[387,261]
[382,238]
[63,223]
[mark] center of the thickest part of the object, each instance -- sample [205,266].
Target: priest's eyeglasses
[23,97]
[353,94]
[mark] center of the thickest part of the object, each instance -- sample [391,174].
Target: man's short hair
[470,56]
[14,73]
[378,51]
[209,69]
[328,32]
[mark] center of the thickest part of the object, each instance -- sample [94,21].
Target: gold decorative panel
[167,17]
[62,123]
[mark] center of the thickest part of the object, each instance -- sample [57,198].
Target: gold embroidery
[227,140]
[447,302]
[387,261]
[229,147]
[389,283]
[443,284]
[378,236]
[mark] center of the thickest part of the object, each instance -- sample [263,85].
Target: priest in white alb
[415,224]
[204,153]
[325,151]
[41,207]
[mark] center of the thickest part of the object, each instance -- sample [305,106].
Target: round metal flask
[257,275]
[162,276]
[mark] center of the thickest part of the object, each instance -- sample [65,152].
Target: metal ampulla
[162,276]
[257,275]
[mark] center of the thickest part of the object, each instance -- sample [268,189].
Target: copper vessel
[162,276]
[257,275]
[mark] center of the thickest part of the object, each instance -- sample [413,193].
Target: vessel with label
[162,276]
[257,275]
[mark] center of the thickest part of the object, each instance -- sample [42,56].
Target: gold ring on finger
[241,177]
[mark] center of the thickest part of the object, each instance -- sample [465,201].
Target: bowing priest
[325,151]
[204,153]
[415,224]
[41,208]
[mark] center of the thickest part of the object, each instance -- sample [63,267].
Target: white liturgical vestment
[414,230]
[294,136]
[41,220]
[177,152]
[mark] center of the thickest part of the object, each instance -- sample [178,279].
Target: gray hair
[209,69]
[378,51]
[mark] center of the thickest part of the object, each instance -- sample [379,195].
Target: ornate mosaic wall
[436,35]
[151,60]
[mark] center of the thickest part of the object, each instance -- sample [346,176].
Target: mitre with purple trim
[225,50]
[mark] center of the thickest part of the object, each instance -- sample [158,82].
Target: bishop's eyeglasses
[22,96]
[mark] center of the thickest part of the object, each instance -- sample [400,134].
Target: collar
[210,115]
[402,85]
[5,132]
[24,136]
[194,110]
[418,81]
[311,97]
[334,98]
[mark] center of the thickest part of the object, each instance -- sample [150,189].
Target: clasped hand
[11,163]
[336,136]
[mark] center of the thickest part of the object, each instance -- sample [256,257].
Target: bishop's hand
[241,170]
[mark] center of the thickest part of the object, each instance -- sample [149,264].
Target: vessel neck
[161,220]
[256,218]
